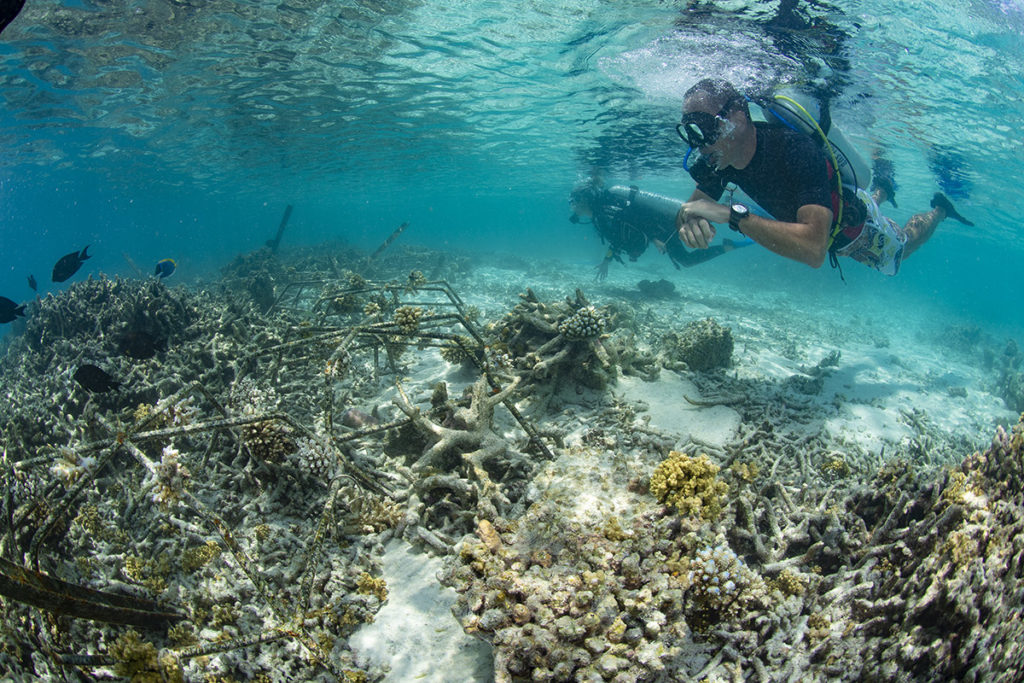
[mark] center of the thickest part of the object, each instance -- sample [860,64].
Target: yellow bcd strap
[835,165]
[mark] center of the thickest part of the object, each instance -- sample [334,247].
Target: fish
[9,11]
[68,265]
[140,345]
[32,283]
[357,419]
[95,379]
[9,310]
[165,267]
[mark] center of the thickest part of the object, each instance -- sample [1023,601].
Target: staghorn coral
[689,484]
[465,458]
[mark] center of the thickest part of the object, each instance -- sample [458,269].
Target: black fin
[940,201]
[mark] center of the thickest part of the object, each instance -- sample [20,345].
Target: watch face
[739,208]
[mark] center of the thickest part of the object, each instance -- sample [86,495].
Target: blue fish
[165,267]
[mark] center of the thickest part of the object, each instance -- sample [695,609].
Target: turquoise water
[182,128]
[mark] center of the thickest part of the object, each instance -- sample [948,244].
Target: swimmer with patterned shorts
[787,173]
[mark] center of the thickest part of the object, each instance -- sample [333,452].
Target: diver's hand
[601,271]
[694,222]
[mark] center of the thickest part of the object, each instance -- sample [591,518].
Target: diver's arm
[805,241]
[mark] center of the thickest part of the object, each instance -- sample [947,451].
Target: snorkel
[686,159]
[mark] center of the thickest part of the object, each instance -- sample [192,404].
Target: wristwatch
[737,212]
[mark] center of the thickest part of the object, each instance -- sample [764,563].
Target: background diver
[628,220]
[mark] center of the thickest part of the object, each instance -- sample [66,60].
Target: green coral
[690,485]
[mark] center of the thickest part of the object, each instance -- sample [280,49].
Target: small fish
[95,379]
[165,267]
[10,310]
[32,283]
[140,345]
[69,265]
[357,419]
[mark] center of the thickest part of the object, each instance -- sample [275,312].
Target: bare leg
[920,227]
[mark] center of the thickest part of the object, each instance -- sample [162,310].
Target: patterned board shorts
[880,244]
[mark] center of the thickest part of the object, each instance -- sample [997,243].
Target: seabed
[435,467]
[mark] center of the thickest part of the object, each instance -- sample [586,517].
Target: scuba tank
[803,113]
[663,208]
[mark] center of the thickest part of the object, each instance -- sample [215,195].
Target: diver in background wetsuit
[628,220]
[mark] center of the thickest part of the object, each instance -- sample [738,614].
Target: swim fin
[8,11]
[939,201]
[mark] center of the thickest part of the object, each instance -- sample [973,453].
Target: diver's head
[582,201]
[712,112]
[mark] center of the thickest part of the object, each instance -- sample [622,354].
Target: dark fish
[140,345]
[95,379]
[10,310]
[165,267]
[32,283]
[69,265]
[8,11]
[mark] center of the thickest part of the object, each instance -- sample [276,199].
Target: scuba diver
[628,220]
[803,183]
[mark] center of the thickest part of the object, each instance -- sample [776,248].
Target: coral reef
[243,481]
[702,345]
[556,342]
[657,289]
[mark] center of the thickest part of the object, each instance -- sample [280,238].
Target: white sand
[415,634]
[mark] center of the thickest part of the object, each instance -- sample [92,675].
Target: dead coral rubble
[905,579]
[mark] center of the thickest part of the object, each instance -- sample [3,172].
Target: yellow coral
[689,484]
[199,556]
[835,467]
[140,662]
[790,583]
[747,471]
[368,585]
[962,489]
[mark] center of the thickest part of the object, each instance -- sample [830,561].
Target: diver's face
[712,130]
[582,209]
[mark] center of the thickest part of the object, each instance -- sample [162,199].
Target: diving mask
[700,129]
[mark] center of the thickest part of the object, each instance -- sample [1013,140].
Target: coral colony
[222,513]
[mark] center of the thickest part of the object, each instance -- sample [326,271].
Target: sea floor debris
[239,488]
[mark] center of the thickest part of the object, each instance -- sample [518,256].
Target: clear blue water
[182,128]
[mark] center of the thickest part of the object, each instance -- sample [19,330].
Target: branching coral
[468,446]
[556,341]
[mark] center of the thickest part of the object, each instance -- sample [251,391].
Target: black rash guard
[788,171]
